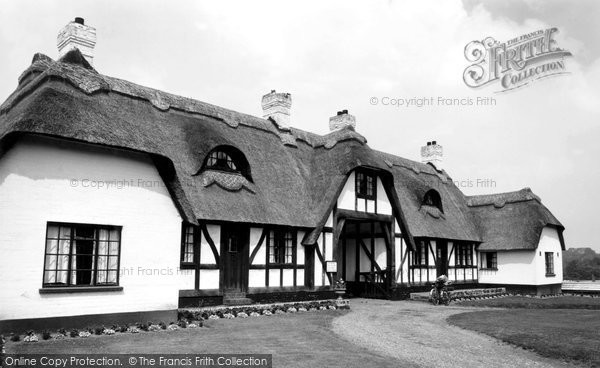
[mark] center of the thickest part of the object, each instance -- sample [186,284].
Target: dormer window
[366,185]
[228,159]
[432,198]
[221,161]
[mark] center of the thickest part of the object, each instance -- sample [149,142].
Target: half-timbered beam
[210,242]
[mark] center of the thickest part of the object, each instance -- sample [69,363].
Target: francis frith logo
[516,62]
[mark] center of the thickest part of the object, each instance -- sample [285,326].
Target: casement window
[549,263]
[281,247]
[81,255]
[421,254]
[366,185]
[188,234]
[489,260]
[464,255]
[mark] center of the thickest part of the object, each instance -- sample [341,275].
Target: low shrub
[46,335]
[74,333]
[15,337]
[98,330]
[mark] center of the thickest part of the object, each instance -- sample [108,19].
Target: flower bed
[187,319]
[260,310]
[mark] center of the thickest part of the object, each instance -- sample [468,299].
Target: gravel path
[418,332]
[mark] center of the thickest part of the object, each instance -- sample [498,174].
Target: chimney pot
[77,35]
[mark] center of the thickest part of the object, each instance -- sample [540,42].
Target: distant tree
[581,264]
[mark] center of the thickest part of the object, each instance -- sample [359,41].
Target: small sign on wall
[331,266]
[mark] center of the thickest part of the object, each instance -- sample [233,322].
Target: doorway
[234,253]
[441,258]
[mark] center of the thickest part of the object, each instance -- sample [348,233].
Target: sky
[334,55]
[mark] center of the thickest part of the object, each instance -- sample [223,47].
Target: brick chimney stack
[278,106]
[432,153]
[77,35]
[342,120]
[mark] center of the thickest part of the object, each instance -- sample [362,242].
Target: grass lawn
[570,334]
[565,302]
[297,340]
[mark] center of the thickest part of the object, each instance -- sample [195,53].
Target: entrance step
[235,297]
[237,301]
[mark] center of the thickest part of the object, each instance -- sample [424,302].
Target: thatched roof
[512,220]
[296,175]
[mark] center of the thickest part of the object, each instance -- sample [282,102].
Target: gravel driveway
[418,332]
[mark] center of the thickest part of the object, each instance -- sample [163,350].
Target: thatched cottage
[119,201]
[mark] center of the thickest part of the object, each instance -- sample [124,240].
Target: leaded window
[221,160]
[421,253]
[489,260]
[81,255]
[365,185]
[187,244]
[464,255]
[281,247]
[549,263]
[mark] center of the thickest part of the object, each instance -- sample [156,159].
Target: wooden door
[234,253]
[442,258]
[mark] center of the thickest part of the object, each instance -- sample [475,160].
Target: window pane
[113,262]
[102,248]
[49,277]
[112,277]
[114,248]
[61,277]
[115,234]
[103,234]
[64,246]
[62,262]
[101,277]
[51,246]
[102,262]
[51,262]
[52,232]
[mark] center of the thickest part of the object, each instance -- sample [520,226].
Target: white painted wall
[527,267]
[380,253]
[549,242]
[384,206]
[43,179]
[347,199]
[515,267]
